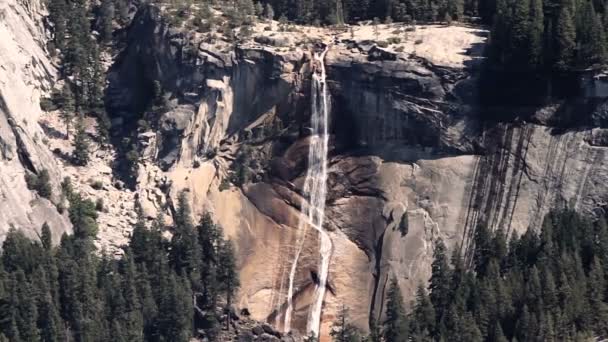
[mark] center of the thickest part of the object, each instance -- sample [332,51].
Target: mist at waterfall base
[315,190]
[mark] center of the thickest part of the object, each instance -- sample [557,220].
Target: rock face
[410,162]
[25,74]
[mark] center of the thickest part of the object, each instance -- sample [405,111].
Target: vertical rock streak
[315,188]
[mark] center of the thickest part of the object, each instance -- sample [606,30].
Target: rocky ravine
[410,159]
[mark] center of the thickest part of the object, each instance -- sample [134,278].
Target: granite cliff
[26,73]
[412,154]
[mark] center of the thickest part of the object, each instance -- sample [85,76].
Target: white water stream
[315,187]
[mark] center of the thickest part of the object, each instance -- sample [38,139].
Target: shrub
[66,187]
[60,207]
[418,41]
[99,204]
[399,49]
[382,44]
[224,185]
[44,184]
[40,183]
[47,104]
[96,184]
[204,26]
[404,225]
[211,153]
[394,40]
[267,28]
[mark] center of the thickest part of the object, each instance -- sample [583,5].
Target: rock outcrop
[26,73]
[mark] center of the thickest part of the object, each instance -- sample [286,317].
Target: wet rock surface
[410,160]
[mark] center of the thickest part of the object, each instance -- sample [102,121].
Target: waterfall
[315,188]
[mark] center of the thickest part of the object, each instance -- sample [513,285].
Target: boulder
[277,40]
[379,54]
[257,330]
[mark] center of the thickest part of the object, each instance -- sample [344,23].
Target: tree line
[549,35]
[351,11]
[546,286]
[81,31]
[158,290]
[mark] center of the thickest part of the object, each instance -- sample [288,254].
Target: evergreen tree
[227,277]
[83,216]
[439,284]
[45,237]
[185,249]
[58,13]
[395,325]
[80,156]
[67,107]
[423,316]
[42,184]
[591,37]
[106,19]
[597,298]
[269,12]
[342,330]
[537,27]
[565,36]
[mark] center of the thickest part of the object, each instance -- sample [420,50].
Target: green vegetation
[348,11]
[548,35]
[79,56]
[80,156]
[342,330]
[40,183]
[547,286]
[157,291]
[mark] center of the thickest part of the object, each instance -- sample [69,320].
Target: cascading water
[315,188]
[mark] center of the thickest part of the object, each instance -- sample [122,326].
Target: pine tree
[423,319]
[342,330]
[122,7]
[106,19]
[396,325]
[228,278]
[58,12]
[45,236]
[455,9]
[597,298]
[174,320]
[269,12]
[259,9]
[49,320]
[565,36]
[67,107]
[83,216]
[80,156]
[537,27]
[483,250]
[439,284]
[185,249]
[590,36]
[43,184]
[133,321]
[519,34]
